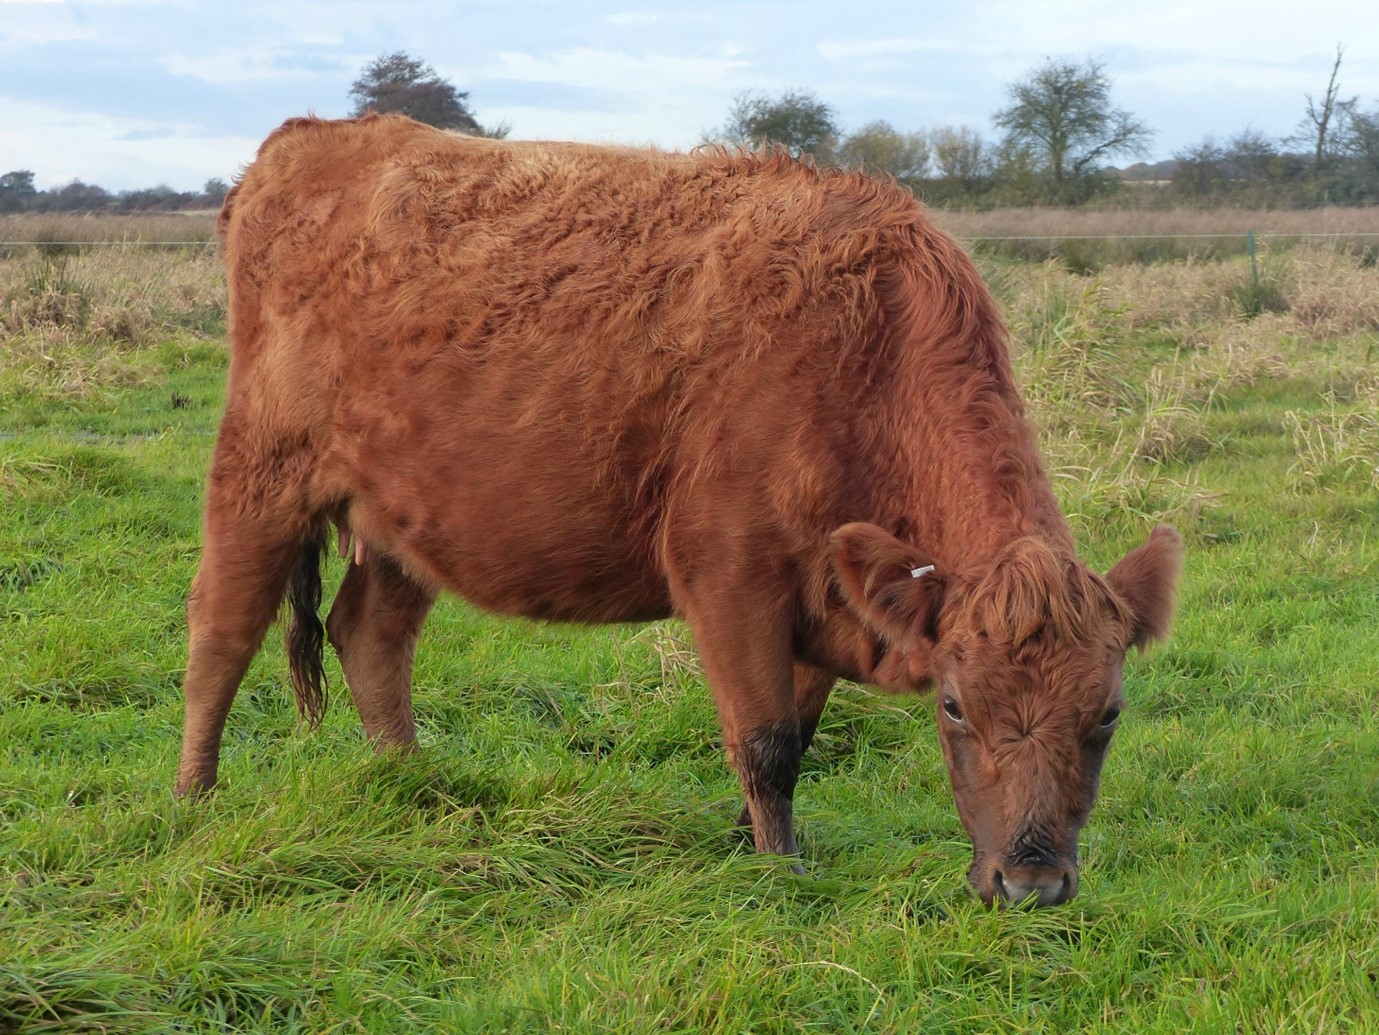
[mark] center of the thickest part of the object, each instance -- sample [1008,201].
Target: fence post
[1254,260]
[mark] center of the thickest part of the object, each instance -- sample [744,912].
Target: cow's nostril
[999,880]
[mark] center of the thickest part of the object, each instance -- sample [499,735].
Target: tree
[959,155]
[878,147]
[1061,114]
[1361,139]
[400,83]
[796,120]
[77,197]
[1254,158]
[161,198]
[1320,128]
[214,191]
[1201,170]
[16,190]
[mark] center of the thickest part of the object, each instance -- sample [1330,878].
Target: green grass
[562,853]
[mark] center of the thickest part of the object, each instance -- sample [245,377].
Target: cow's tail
[305,636]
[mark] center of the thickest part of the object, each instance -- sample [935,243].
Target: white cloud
[633,18]
[247,64]
[861,49]
[652,97]
[32,23]
[613,71]
[38,35]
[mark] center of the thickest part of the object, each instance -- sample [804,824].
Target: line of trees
[1332,157]
[18,194]
[1060,130]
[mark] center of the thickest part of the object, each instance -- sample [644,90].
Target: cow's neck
[979,481]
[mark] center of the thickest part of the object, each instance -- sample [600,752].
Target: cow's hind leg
[373,625]
[247,558]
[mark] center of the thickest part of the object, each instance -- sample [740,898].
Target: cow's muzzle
[1008,883]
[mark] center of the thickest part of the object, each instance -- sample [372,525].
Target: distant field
[562,856]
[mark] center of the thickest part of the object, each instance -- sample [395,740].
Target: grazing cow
[604,385]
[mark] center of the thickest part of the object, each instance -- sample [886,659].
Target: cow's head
[1025,656]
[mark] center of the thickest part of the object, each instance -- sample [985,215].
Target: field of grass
[561,855]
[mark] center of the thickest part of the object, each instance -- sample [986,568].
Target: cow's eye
[951,709]
[1110,718]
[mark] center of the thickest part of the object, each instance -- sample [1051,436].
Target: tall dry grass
[1085,239]
[88,228]
[72,324]
[1123,368]
[123,294]
[1183,222]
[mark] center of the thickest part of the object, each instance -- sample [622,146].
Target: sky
[135,93]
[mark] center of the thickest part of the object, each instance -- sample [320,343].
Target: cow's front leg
[812,687]
[745,646]
[767,759]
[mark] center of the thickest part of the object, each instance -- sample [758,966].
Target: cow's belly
[519,519]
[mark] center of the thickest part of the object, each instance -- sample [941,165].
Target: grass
[561,855]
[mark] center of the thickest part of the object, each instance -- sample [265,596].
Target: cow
[602,384]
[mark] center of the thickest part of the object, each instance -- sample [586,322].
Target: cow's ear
[893,588]
[1147,579]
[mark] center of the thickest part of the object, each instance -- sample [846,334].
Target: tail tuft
[305,636]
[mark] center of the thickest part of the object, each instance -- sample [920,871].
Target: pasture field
[561,855]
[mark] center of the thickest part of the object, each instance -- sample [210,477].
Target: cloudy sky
[132,93]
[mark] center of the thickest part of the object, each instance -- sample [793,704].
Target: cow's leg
[247,557]
[812,687]
[373,625]
[745,646]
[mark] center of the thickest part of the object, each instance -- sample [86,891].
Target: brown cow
[606,385]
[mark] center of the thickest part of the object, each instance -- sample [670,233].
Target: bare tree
[1323,123]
